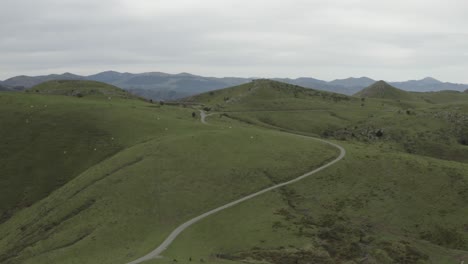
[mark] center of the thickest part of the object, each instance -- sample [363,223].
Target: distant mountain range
[164,86]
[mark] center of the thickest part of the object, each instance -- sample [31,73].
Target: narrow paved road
[203,116]
[156,253]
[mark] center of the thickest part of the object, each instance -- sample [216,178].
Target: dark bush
[379,133]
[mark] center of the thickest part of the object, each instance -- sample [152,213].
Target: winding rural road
[156,253]
[203,116]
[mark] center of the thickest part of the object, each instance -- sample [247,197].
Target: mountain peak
[382,89]
[430,80]
[381,83]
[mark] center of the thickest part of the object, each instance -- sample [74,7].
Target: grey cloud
[327,39]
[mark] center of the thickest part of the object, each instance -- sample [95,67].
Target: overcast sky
[326,39]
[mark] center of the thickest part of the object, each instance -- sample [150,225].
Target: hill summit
[79,88]
[382,89]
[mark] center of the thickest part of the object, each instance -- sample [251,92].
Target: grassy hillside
[399,196]
[431,124]
[79,88]
[103,181]
[384,90]
[267,95]
[376,205]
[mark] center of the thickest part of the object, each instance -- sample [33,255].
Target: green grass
[387,198]
[430,129]
[399,196]
[267,95]
[384,90]
[127,201]
[79,88]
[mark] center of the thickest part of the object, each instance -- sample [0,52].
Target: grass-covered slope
[432,124]
[105,184]
[79,88]
[376,205]
[398,197]
[266,95]
[383,90]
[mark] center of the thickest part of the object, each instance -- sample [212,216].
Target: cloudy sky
[326,39]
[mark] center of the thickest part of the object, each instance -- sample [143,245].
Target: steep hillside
[45,141]
[92,180]
[79,88]
[383,90]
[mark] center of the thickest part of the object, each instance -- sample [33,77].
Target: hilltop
[79,88]
[165,86]
[383,90]
[30,81]
[265,94]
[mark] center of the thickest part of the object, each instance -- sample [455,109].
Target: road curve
[156,253]
[203,116]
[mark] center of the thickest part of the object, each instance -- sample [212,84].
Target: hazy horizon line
[224,76]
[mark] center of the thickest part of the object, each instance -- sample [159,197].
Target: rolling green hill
[79,88]
[399,196]
[107,180]
[383,90]
[267,95]
[93,180]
